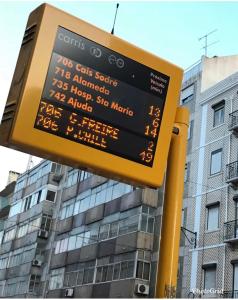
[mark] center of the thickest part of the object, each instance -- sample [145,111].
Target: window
[190,129]
[28,253]
[103,232]
[46,222]
[235,279]
[216,162]
[143,265]
[10,289]
[56,168]
[32,178]
[34,225]
[27,203]
[9,235]
[83,274]
[236,207]
[72,178]
[56,279]
[67,209]
[22,287]
[129,225]
[213,217]
[209,276]
[20,184]
[186,173]
[28,227]
[187,94]
[50,196]
[121,268]
[84,175]
[3,261]
[1,236]
[147,219]
[22,230]
[88,272]
[72,243]
[45,169]
[16,258]
[2,283]
[218,116]
[15,209]
[92,197]
[34,284]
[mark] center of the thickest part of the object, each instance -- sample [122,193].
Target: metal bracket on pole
[193,240]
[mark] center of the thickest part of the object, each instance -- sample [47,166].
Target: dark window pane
[66,280]
[72,278]
[145,209]
[104,273]
[50,196]
[80,277]
[143,222]
[150,228]
[146,272]
[109,273]
[99,274]
[113,230]
[103,232]
[130,270]
[116,271]
[90,275]
[123,270]
[38,197]
[139,270]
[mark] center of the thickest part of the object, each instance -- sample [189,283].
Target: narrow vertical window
[216,162]
[210,277]
[213,217]
[218,113]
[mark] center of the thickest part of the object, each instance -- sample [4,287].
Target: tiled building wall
[211,247]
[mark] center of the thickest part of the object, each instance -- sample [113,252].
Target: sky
[170,30]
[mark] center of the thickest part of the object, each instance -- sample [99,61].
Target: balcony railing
[230,294]
[231,231]
[232,172]
[233,121]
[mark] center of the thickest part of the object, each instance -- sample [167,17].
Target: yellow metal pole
[171,223]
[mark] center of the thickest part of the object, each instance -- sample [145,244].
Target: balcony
[230,294]
[233,122]
[230,233]
[232,173]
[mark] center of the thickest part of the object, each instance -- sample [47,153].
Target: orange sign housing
[83,97]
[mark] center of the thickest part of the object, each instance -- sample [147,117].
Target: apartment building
[209,267]
[5,196]
[74,234]
[25,237]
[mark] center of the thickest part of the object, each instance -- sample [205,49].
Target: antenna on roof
[112,32]
[29,163]
[206,45]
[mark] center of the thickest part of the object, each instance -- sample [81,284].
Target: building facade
[74,234]
[210,90]
[5,200]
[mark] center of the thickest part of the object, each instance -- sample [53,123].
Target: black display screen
[100,98]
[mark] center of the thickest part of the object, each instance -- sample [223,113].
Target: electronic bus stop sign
[83,97]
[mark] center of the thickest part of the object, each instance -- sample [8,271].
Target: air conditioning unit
[36,263]
[142,289]
[69,293]
[43,234]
